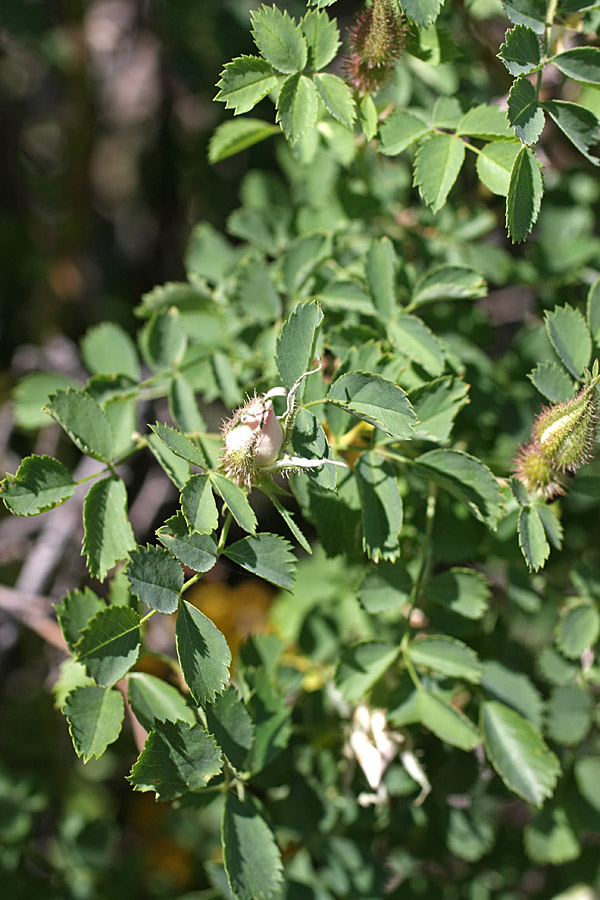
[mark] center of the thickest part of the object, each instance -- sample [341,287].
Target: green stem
[149,615]
[224,532]
[118,462]
[425,556]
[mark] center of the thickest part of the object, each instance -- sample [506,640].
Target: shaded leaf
[84,421]
[108,536]
[155,578]
[399,130]
[495,164]
[532,538]
[203,654]
[337,97]
[268,556]
[570,337]
[154,700]
[466,478]
[109,644]
[381,507]
[464,591]
[521,51]
[322,38]
[360,666]
[578,630]
[95,717]
[580,64]
[198,505]
[524,196]
[229,721]
[279,39]
[447,655]
[524,111]
[40,484]
[236,501]
[552,381]
[250,853]
[438,161]
[445,721]
[232,137]
[518,753]
[176,758]
[196,551]
[75,611]
[108,350]
[297,343]
[448,282]
[579,124]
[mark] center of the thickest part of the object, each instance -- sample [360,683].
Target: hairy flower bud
[565,433]
[253,438]
[562,440]
[376,41]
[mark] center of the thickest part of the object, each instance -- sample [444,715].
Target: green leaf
[271,716]
[552,524]
[524,196]
[495,163]
[232,137]
[236,501]
[593,310]
[71,675]
[203,654]
[381,507]
[244,82]
[286,515]
[436,404]
[447,722]
[399,130]
[198,505]
[552,381]
[422,12]
[524,112]
[196,551]
[521,51]
[250,853]
[375,400]
[322,38]
[297,343]
[527,12]
[108,536]
[302,258]
[40,484]
[464,591]
[279,39]
[309,442]
[470,834]
[183,406]
[387,586]
[466,478]
[84,422]
[518,753]
[514,689]
[337,97]
[179,444]
[154,700]
[109,644]
[414,339]
[297,106]
[75,611]
[229,721]
[447,282]
[177,469]
[95,717]
[570,337]
[108,350]
[176,759]
[587,776]
[579,124]
[438,161]
[163,340]
[380,266]
[532,538]
[549,839]
[255,293]
[485,121]
[209,255]
[31,395]
[569,714]
[555,668]
[268,556]
[580,64]
[578,630]
[367,115]
[155,578]
[361,665]
[447,655]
